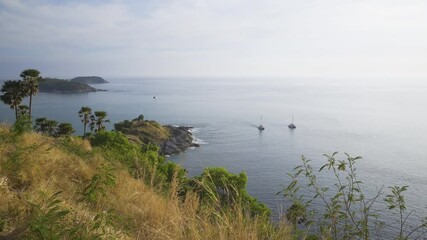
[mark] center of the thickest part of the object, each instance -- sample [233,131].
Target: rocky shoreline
[179,141]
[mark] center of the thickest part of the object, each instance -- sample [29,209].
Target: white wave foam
[199,141]
[194,130]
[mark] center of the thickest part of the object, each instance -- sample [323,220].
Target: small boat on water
[292,125]
[261,127]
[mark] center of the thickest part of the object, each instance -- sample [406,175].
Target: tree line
[15,91]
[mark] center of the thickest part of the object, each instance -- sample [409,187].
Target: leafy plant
[47,219]
[217,186]
[22,125]
[347,213]
[99,184]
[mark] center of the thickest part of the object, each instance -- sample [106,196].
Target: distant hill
[57,85]
[89,80]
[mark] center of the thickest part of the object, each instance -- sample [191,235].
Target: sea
[382,120]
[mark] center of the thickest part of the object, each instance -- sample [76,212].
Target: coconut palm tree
[98,120]
[31,79]
[84,115]
[14,92]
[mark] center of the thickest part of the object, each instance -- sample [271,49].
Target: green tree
[64,129]
[98,120]
[31,79]
[51,125]
[23,110]
[13,93]
[85,116]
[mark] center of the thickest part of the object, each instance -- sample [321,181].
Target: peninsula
[170,139]
[56,85]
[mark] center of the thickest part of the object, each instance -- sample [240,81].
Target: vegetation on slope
[143,131]
[69,188]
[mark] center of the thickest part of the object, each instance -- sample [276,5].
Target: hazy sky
[289,38]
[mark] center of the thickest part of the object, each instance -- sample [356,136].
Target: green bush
[217,185]
[143,163]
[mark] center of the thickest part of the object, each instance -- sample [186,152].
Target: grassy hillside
[67,188]
[142,131]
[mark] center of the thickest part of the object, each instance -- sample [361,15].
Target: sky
[215,38]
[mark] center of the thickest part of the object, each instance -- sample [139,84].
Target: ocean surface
[384,121]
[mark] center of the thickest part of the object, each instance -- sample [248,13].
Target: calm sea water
[384,122]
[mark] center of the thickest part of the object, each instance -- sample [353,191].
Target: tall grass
[42,186]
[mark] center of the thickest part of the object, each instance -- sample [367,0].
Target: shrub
[216,185]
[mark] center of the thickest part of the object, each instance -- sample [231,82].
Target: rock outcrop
[169,139]
[179,140]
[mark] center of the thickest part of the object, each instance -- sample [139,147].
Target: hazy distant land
[89,80]
[56,85]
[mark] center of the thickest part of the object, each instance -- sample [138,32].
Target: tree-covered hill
[64,86]
[89,80]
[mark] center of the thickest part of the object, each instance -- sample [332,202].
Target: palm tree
[84,115]
[31,79]
[98,120]
[14,92]
[51,126]
[40,125]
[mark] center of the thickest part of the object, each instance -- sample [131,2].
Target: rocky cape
[179,140]
[170,139]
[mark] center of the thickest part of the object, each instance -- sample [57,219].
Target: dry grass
[140,212]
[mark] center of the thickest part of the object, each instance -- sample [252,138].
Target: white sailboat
[292,125]
[260,127]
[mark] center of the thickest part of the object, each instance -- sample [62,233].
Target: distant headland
[56,85]
[89,80]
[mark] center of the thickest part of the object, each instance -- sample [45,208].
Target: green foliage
[31,79]
[144,164]
[48,219]
[71,146]
[23,110]
[46,126]
[52,128]
[99,184]
[347,210]
[123,126]
[22,125]
[98,121]
[64,129]
[216,185]
[13,94]
[84,114]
